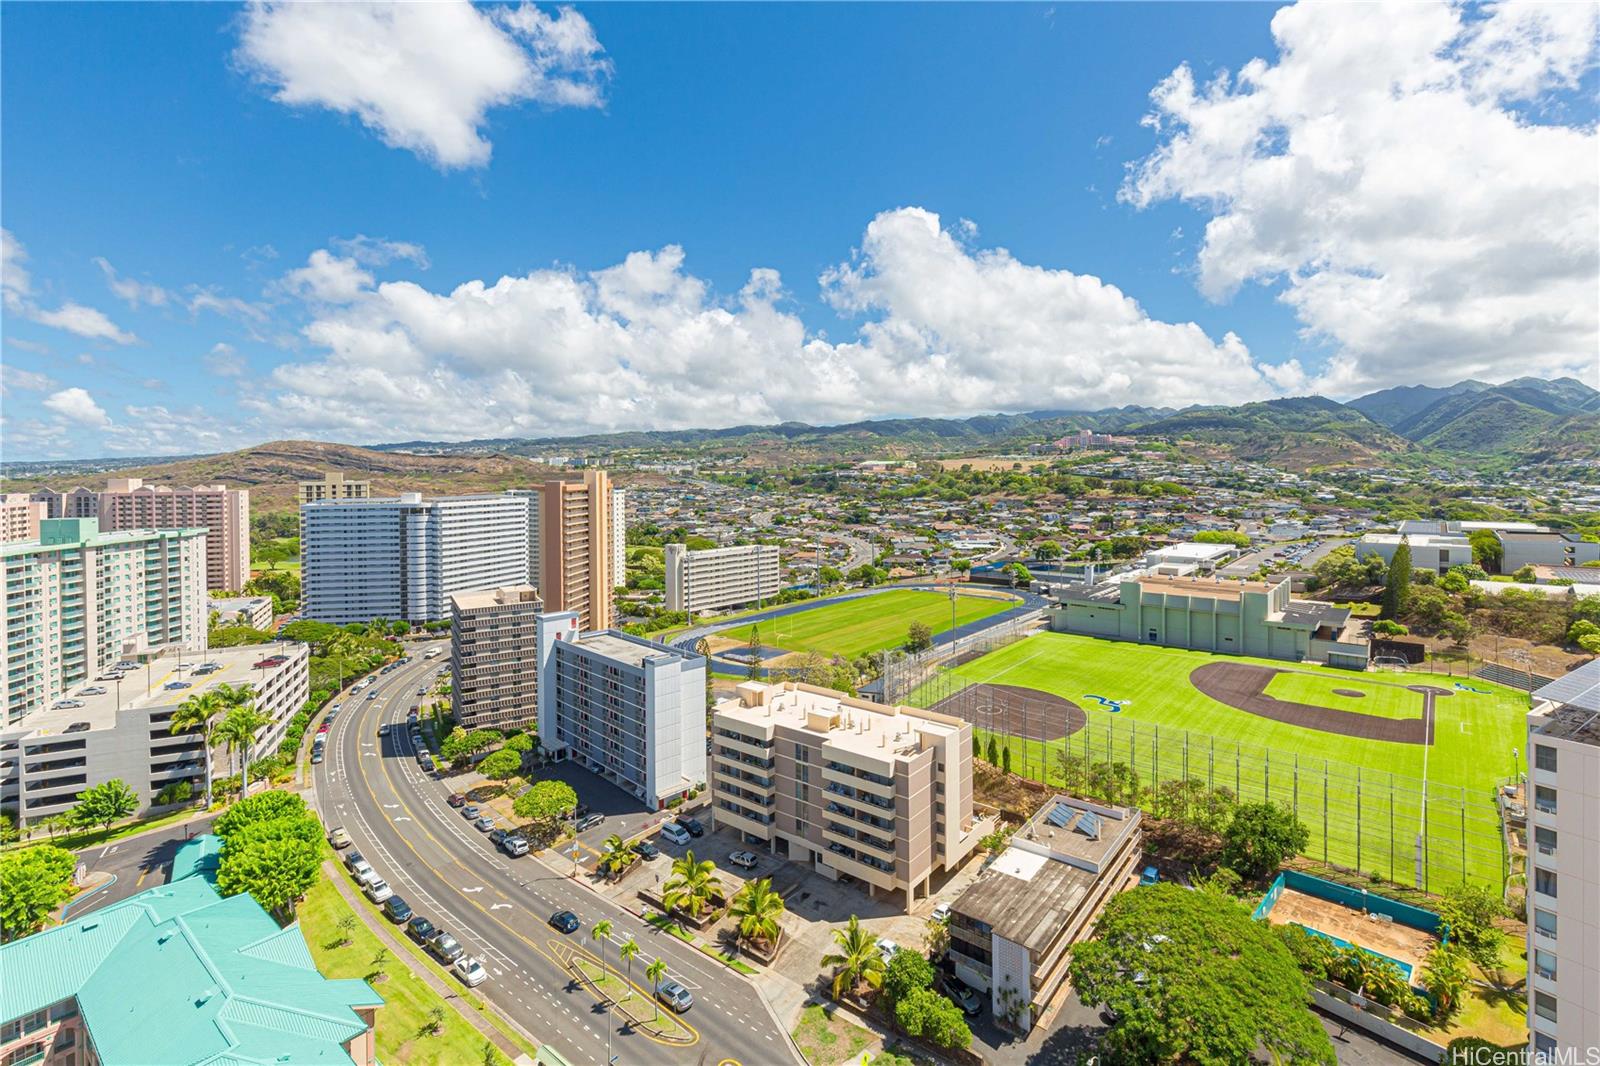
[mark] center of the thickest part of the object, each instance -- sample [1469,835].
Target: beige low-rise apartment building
[334,486]
[494,662]
[847,787]
[19,517]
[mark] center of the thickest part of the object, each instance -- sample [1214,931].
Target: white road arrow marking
[497,906]
[390,806]
[475,888]
[402,818]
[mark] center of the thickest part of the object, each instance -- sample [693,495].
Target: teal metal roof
[198,856]
[180,975]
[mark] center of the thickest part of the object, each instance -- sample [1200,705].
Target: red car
[457,800]
[323,728]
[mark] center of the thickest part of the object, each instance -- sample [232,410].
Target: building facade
[629,709]
[1011,929]
[1429,551]
[1564,867]
[75,503]
[334,486]
[224,513]
[77,600]
[252,611]
[1544,549]
[20,516]
[619,537]
[179,975]
[494,663]
[402,557]
[576,547]
[1236,617]
[719,578]
[122,727]
[844,786]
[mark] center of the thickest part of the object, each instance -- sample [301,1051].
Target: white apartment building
[123,727]
[629,709]
[844,786]
[224,513]
[78,600]
[494,663]
[719,578]
[1564,867]
[401,557]
[619,536]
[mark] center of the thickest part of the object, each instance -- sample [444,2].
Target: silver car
[674,995]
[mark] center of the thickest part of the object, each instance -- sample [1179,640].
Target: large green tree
[275,872]
[1471,912]
[757,907]
[501,766]
[1486,549]
[923,1012]
[857,961]
[33,882]
[907,972]
[1397,588]
[105,803]
[546,801]
[1260,836]
[692,885]
[264,807]
[1190,977]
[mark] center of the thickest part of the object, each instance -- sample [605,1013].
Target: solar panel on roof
[1089,825]
[1060,815]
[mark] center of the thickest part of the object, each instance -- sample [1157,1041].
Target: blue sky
[227,225]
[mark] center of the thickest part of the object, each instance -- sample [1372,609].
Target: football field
[1310,736]
[868,623]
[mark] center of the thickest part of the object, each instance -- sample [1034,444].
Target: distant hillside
[1301,432]
[920,434]
[270,471]
[1499,420]
[1393,406]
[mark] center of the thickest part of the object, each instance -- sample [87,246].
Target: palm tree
[626,951]
[655,972]
[199,712]
[601,932]
[758,908]
[238,728]
[617,854]
[691,885]
[858,958]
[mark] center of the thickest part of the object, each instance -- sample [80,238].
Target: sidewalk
[447,992]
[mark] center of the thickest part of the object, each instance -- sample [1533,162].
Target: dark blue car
[565,921]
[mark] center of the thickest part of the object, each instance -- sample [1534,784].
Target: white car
[887,948]
[471,971]
[745,860]
[378,890]
[941,912]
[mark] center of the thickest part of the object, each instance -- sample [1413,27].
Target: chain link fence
[1402,828]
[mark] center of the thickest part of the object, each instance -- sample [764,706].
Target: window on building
[1544,798]
[1544,1005]
[1544,757]
[802,753]
[1544,923]
[67,1008]
[1544,882]
[1545,840]
[1544,963]
[1544,1046]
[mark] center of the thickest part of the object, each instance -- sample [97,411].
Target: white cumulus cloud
[16,291]
[76,405]
[423,76]
[946,330]
[1412,180]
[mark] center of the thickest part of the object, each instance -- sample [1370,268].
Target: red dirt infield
[1015,711]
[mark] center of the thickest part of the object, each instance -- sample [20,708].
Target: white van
[675,833]
[363,871]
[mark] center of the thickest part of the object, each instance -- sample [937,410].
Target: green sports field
[869,623]
[1369,792]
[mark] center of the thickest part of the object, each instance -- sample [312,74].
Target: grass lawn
[1374,809]
[828,1039]
[1386,699]
[90,838]
[870,623]
[408,999]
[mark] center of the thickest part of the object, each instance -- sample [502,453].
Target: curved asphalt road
[1029,602]
[497,906]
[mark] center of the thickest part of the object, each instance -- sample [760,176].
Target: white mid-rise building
[1564,867]
[402,557]
[718,578]
[629,709]
[77,600]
